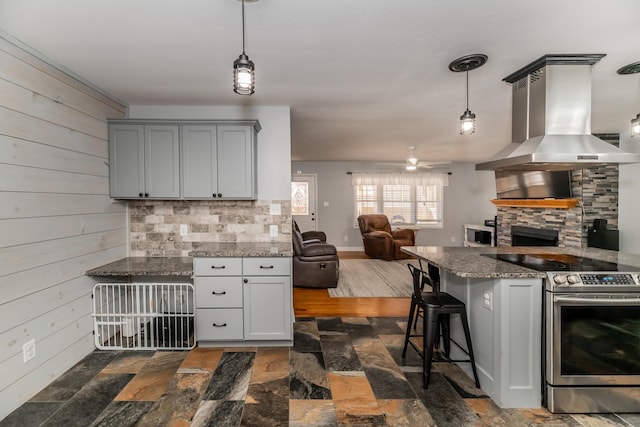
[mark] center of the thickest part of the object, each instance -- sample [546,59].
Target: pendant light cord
[467,87]
[242,26]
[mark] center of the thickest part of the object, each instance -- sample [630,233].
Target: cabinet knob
[215,195]
[246,280]
[140,194]
[222,325]
[146,194]
[219,194]
[219,293]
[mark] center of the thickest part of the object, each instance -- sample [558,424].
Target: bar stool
[437,308]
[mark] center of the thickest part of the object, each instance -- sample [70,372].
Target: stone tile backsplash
[154,225]
[597,191]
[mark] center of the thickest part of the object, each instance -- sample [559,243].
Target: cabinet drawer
[219,324]
[217,266]
[272,266]
[218,292]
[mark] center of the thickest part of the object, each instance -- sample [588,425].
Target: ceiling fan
[412,163]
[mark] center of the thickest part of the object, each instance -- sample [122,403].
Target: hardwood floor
[318,303]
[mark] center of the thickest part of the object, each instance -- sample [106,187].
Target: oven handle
[596,300]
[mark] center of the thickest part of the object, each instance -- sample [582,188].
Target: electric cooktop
[561,262]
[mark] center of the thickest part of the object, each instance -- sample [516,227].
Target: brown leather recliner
[311,235]
[315,264]
[382,242]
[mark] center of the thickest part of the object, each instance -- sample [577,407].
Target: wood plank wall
[56,217]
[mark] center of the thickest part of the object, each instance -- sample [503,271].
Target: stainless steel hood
[551,119]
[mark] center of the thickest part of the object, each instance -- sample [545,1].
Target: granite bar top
[468,262]
[146,266]
[183,266]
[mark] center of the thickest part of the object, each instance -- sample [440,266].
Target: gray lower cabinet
[218,162]
[144,161]
[243,299]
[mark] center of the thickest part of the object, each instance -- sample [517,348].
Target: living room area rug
[374,278]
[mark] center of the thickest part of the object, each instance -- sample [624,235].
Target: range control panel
[596,279]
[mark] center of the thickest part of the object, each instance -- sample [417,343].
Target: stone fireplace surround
[597,192]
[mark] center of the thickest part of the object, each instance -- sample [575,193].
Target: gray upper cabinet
[190,159]
[144,161]
[236,162]
[199,160]
[218,162]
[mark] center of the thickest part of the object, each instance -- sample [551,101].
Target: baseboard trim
[350,249]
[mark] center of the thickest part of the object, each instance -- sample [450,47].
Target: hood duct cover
[551,119]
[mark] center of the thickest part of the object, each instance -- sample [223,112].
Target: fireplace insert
[529,236]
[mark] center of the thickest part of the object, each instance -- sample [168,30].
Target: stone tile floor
[340,372]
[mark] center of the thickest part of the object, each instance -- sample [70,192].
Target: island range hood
[551,119]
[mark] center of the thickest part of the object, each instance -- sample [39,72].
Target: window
[299,198]
[404,201]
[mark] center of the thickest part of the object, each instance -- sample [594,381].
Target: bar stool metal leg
[430,334]
[467,335]
[412,313]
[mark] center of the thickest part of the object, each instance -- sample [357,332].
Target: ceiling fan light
[635,125]
[467,123]
[410,167]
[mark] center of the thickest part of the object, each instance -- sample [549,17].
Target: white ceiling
[365,79]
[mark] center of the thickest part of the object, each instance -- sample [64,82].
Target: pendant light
[632,69]
[244,78]
[466,64]
[635,126]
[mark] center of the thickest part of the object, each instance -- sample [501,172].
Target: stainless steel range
[592,333]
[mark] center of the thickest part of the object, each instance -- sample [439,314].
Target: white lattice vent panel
[143,316]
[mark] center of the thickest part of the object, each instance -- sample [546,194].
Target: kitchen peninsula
[242,290]
[505,305]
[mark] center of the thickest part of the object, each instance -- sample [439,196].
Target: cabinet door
[161,155]
[236,162]
[126,161]
[199,162]
[267,308]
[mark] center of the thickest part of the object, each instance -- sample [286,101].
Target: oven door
[593,339]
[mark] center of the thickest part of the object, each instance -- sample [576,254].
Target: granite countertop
[146,266]
[469,262]
[183,266]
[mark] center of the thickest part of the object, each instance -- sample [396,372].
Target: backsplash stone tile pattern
[154,225]
[597,190]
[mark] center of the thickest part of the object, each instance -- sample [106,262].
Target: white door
[303,201]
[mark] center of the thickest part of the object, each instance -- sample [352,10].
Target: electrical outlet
[453,239]
[346,238]
[273,231]
[487,300]
[184,230]
[29,350]
[275,209]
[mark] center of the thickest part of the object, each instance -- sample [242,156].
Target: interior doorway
[303,201]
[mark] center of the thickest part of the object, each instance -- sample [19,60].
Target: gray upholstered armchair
[315,263]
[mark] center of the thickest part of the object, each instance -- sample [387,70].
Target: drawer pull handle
[267,267]
[214,267]
[219,326]
[219,293]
